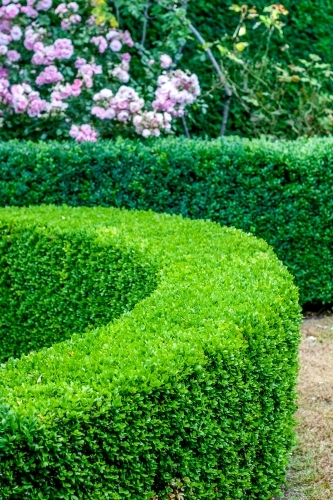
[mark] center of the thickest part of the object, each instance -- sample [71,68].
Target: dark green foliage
[52,286]
[196,383]
[308,20]
[279,191]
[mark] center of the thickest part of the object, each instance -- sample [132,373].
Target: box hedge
[280,191]
[192,382]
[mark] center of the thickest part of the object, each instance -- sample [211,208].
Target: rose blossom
[100,42]
[84,133]
[3,72]
[13,56]
[44,5]
[36,106]
[73,6]
[127,39]
[16,33]
[11,11]
[30,12]
[77,87]
[63,48]
[61,9]
[49,75]
[166,61]
[115,45]
[80,62]
[5,39]
[126,57]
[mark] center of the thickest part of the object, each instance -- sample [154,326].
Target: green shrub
[52,286]
[195,383]
[307,20]
[280,191]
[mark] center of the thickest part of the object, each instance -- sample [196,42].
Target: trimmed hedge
[195,383]
[280,191]
[48,291]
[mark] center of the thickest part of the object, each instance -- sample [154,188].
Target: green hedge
[307,20]
[280,191]
[48,291]
[195,383]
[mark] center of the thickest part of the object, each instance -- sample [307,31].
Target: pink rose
[100,42]
[49,75]
[146,133]
[166,61]
[36,106]
[63,48]
[127,39]
[30,12]
[5,39]
[80,62]
[44,5]
[85,133]
[123,116]
[77,87]
[16,33]
[3,73]
[20,103]
[126,57]
[99,112]
[65,24]
[38,58]
[73,6]
[115,45]
[112,34]
[61,9]
[13,55]
[11,11]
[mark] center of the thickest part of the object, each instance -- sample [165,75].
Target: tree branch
[225,115]
[145,24]
[186,132]
[227,89]
[117,11]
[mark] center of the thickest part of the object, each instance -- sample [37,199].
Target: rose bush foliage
[65,71]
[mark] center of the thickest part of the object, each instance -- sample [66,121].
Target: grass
[310,476]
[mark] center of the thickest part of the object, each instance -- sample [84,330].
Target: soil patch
[311,472]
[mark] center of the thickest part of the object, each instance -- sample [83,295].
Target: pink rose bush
[67,72]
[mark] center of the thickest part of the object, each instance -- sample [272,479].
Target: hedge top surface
[280,191]
[215,286]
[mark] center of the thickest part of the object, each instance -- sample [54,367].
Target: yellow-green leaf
[240,46]
[242,30]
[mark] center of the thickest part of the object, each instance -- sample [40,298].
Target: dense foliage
[65,71]
[56,58]
[190,392]
[306,21]
[51,288]
[279,191]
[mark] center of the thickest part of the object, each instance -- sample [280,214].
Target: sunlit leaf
[242,30]
[235,8]
[240,46]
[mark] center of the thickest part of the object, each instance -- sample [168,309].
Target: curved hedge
[195,383]
[280,191]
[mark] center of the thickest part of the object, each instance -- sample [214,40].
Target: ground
[311,473]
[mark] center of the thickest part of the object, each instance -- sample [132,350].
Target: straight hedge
[280,191]
[194,387]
